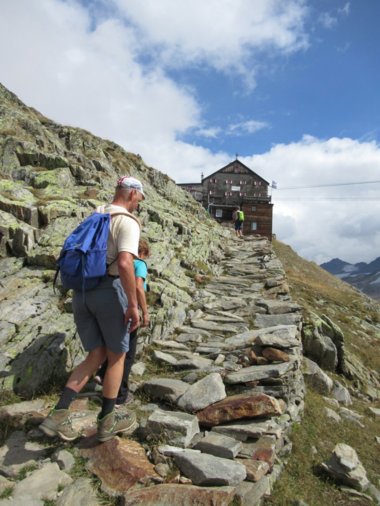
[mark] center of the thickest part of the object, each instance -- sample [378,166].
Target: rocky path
[215,403]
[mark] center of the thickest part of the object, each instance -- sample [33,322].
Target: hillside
[359,318]
[221,360]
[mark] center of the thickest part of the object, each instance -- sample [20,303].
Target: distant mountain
[365,277]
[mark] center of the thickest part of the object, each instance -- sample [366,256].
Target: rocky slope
[218,382]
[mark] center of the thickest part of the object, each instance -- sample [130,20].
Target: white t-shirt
[124,236]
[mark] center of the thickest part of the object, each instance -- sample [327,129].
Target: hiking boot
[114,423]
[125,399]
[58,423]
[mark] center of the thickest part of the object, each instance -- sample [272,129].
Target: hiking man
[104,319]
[238,218]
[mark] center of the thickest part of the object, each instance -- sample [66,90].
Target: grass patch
[7,492]
[24,471]
[313,442]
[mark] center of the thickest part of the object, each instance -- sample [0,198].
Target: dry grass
[319,292]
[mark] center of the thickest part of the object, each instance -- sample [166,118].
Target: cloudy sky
[292,86]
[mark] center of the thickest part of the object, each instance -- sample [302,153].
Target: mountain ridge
[362,275]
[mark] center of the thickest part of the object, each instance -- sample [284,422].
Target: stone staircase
[215,402]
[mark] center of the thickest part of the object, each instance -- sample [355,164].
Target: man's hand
[145,320]
[132,313]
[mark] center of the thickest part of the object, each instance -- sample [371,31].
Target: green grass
[319,292]
[301,478]
[7,492]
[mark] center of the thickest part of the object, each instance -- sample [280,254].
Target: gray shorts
[99,317]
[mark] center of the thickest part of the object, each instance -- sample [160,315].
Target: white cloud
[111,77]
[327,20]
[246,127]
[322,222]
[209,133]
[222,33]
[345,9]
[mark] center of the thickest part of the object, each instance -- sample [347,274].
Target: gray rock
[165,389]
[204,392]
[218,327]
[332,415]
[18,452]
[205,469]
[341,394]
[275,307]
[189,338]
[79,493]
[316,378]
[266,320]
[219,445]
[259,372]
[43,483]
[248,429]
[277,341]
[351,416]
[164,357]
[319,346]
[21,408]
[170,344]
[175,427]
[374,411]
[345,467]
[22,501]
[64,459]
[194,363]
[250,494]
[138,368]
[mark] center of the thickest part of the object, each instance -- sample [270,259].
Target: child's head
[144,250]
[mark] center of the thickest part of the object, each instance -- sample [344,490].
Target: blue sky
[289,85]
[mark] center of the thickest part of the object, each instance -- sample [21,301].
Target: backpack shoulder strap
[127,213]
[102,209]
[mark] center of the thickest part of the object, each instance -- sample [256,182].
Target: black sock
[67,397]
[107,407]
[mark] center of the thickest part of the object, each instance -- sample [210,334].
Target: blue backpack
[82,262]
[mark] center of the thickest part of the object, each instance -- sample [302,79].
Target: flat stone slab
[178,428]
[201,394]
[266,320]
[278,306]
[165,389]
[217,327]
[256,469]
[237,407]
[194,362]
[119,464]
[18,452]
[166,358]
[203,469]
[21,408]
[42,483]
[189,338]
[190,495]
[277,340]
[259,372]
[78,493]
[248,429]
[219,445]
[170,344]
